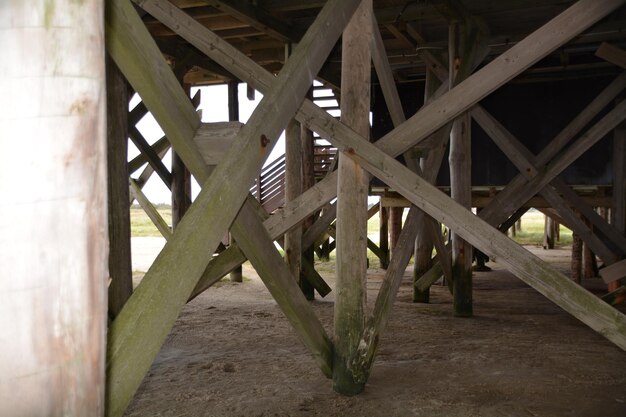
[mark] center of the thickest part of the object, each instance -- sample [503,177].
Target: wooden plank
[214,140]
[352,190]
[158,147]
[137,334]
[150,210]
[152,157]
[558,288]
[147,172]
[249,233]
[612,54]
[259,19]
[377,322]
[53,245]
[614,272]
[120,264]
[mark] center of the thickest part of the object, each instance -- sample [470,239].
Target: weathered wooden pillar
[293,188]
[307,145]
[120,262]
[53,246]
[548,232]
[236,275]
[383,233]
[181,177]
[395,226]
[460,183]
[352,188]
[423,241]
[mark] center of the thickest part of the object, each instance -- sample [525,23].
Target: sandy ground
[232,353]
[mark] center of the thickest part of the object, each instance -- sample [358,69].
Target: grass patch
[140,223]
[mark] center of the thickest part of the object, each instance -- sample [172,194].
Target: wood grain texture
[352,189]
[54,244]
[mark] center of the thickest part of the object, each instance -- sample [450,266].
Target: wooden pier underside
[138,332]
[457,54]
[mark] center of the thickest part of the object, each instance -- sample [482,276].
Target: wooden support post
[618,211]
[236,275]
[53,246]
[383,234]
[460,178]
[307,145]
[577,258]
[352,189]
[548,232]
[293,188]
[395,226]
[181,177]
[120,263]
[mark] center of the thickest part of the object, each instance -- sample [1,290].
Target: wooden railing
[269,186]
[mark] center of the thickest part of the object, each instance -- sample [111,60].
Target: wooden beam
[150,210]
[375,326]
[259,19]
[612,54]
[614,272]
[53,246]
[137,334]
[154,160]
[147,172]
[352,189]
[120,263]
[158,147]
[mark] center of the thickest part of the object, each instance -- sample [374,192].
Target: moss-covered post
[460,180]
[53,245]
[352,188]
